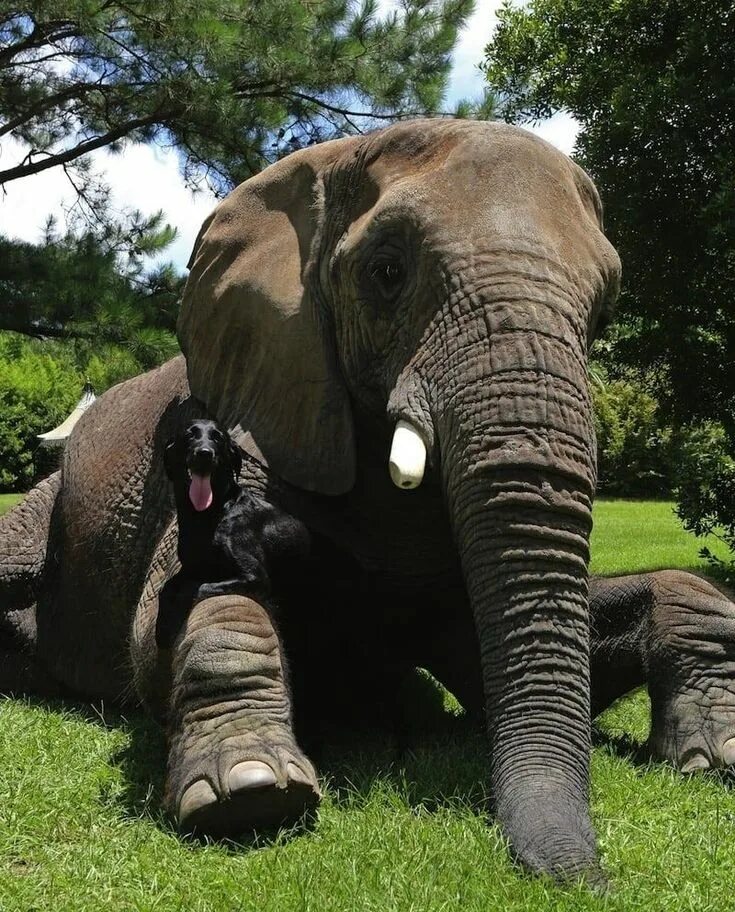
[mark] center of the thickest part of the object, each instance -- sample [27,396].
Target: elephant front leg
[674,632]
[234,765]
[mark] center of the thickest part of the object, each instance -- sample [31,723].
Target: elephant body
[330,297]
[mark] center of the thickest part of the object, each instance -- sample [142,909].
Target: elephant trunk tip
[407,459]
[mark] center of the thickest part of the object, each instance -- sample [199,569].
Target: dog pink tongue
[200,492]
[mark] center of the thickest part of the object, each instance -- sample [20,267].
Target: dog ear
[235,457]
[169,458]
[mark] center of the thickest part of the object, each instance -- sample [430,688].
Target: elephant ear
[258,353]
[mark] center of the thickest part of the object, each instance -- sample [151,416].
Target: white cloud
[25,203]
[560,130]
[148,178]
[466,80]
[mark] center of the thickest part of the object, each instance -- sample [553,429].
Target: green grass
[80,828]
[635,535]
[7,501]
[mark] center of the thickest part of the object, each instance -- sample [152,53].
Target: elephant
[394,327]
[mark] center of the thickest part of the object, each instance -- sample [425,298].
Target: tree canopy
[231,84]
[652,84]
[92,285]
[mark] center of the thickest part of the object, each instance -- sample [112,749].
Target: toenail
[251,774]
[728,752]
[696,762]
[195,797]
[296,774]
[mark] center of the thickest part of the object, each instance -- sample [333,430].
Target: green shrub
[36,393]
[111,366]
[633,443]
[40,382]
[705,488]
[640,455]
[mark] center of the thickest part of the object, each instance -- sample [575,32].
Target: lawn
[80,828]
[7,501]
[633,535]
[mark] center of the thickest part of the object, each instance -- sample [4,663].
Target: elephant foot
[255,796]
[692,674]
[694,733]
[224,781]
[234,765]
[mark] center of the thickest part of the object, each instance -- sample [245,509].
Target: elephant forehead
[471,153]
[484,180]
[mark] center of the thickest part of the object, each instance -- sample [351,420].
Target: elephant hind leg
[26,549]
[675,632]
[620,618]
[691,672]
[27,540]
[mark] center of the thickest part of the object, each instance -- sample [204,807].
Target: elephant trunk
[517,450]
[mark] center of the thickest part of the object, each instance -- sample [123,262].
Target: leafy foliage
[36,394]
[93,286]
[706,492]
[633,442]
[232,84]
[40,383]
[653,86]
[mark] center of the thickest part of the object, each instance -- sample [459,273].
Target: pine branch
[42,34]
[346,112]
[37,329]
[48,102]
[61,158]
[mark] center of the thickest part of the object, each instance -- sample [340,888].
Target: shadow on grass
[142,761]
[623,746]
[420,752]
[638,754]
[436,759]
[438,769]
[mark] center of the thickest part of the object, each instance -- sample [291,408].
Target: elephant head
[443,278]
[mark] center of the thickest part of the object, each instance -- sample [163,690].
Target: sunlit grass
[636,535]
[80,828]
[7,501]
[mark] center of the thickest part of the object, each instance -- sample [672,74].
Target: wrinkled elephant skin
[444,280]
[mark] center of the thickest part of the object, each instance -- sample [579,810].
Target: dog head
[203,462]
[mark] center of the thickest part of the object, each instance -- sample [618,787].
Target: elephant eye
[388,276]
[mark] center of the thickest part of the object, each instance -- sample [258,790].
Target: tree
[92,287]
[232,84]
[652,83]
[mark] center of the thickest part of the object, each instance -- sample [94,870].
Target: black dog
[230,540]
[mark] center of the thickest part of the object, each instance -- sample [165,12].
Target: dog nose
[203,458]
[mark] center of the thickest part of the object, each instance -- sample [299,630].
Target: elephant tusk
[407,457]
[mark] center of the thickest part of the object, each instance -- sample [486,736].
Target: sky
[148,177]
